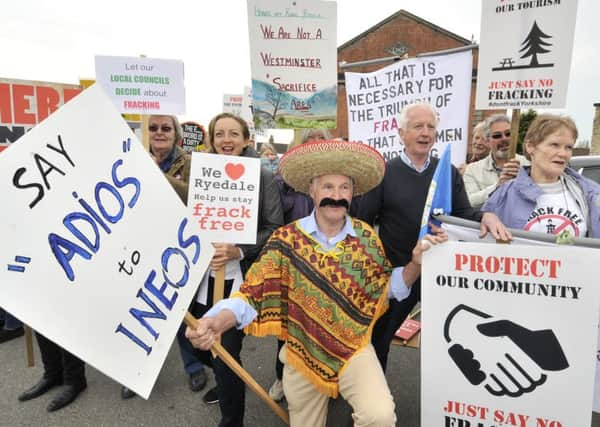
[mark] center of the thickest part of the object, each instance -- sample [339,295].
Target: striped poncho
[322,304]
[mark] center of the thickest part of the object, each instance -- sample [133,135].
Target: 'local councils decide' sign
[293,57]
[525,53]
[510,331]
[24,103]
[142,85]
[100,255]
[223,197]
[376,99]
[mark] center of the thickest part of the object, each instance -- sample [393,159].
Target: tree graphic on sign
[274,98]
[533,45]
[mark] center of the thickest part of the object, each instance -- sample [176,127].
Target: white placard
[223,197]
[510,331]
[246,111]
[142,85]
[100,255]
[525,53]
[232,104]
[293,54]
[376,99]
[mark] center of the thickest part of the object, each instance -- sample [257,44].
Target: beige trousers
[362,384]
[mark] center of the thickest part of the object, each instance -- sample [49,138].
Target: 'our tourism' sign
[525,53]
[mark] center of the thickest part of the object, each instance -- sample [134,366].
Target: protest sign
[376,99]
[142,85]
[493,336]
[223,197]
[193,136]
[100,255]
[246,112]
[525,54]
[468,231]
[25,103]
[232,104]
[293,56]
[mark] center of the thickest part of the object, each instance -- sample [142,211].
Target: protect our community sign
[142,85]
[471,234]
[293,53]
[376,99]
[525,53]
[100,256]
[223,197]
[511,331]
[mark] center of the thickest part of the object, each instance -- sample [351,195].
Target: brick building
[399,34]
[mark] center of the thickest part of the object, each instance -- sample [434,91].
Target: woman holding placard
[229,135]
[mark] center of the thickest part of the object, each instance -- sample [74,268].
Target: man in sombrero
[320,284]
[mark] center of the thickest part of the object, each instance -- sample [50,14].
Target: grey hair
[491,120]
[403,119]
[479,127]
[176,125]
[267,146]
[306,133]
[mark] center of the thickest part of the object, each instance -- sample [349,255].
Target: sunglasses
[164,128]
[498,135]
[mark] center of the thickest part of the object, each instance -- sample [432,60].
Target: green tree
[524,122]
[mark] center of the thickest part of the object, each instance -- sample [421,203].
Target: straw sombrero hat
[332,157]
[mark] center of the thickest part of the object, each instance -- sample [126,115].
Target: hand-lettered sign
[98,253]
[376,99]
[223,197]
[293,53]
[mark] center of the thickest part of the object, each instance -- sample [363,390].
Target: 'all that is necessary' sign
[376,99]
[93,259]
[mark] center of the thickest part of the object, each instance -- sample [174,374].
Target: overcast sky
[56,41]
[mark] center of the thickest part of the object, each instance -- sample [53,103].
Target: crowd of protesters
[312,229]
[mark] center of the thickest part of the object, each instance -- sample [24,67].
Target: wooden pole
[29,346]
[514,133]
[219,351]
[219,288]
[144,129]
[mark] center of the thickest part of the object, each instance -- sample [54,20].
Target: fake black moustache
[327,201]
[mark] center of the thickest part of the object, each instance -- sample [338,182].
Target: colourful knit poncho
[322,304]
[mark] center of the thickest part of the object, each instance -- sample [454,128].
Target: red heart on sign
[234,171]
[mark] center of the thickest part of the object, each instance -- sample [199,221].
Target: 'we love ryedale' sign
[223,197]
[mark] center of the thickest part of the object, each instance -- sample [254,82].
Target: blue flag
[439,196]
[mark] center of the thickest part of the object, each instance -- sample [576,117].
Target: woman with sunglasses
[549,196]
[483,176]
[228,135]
[175,163]
[165,132]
